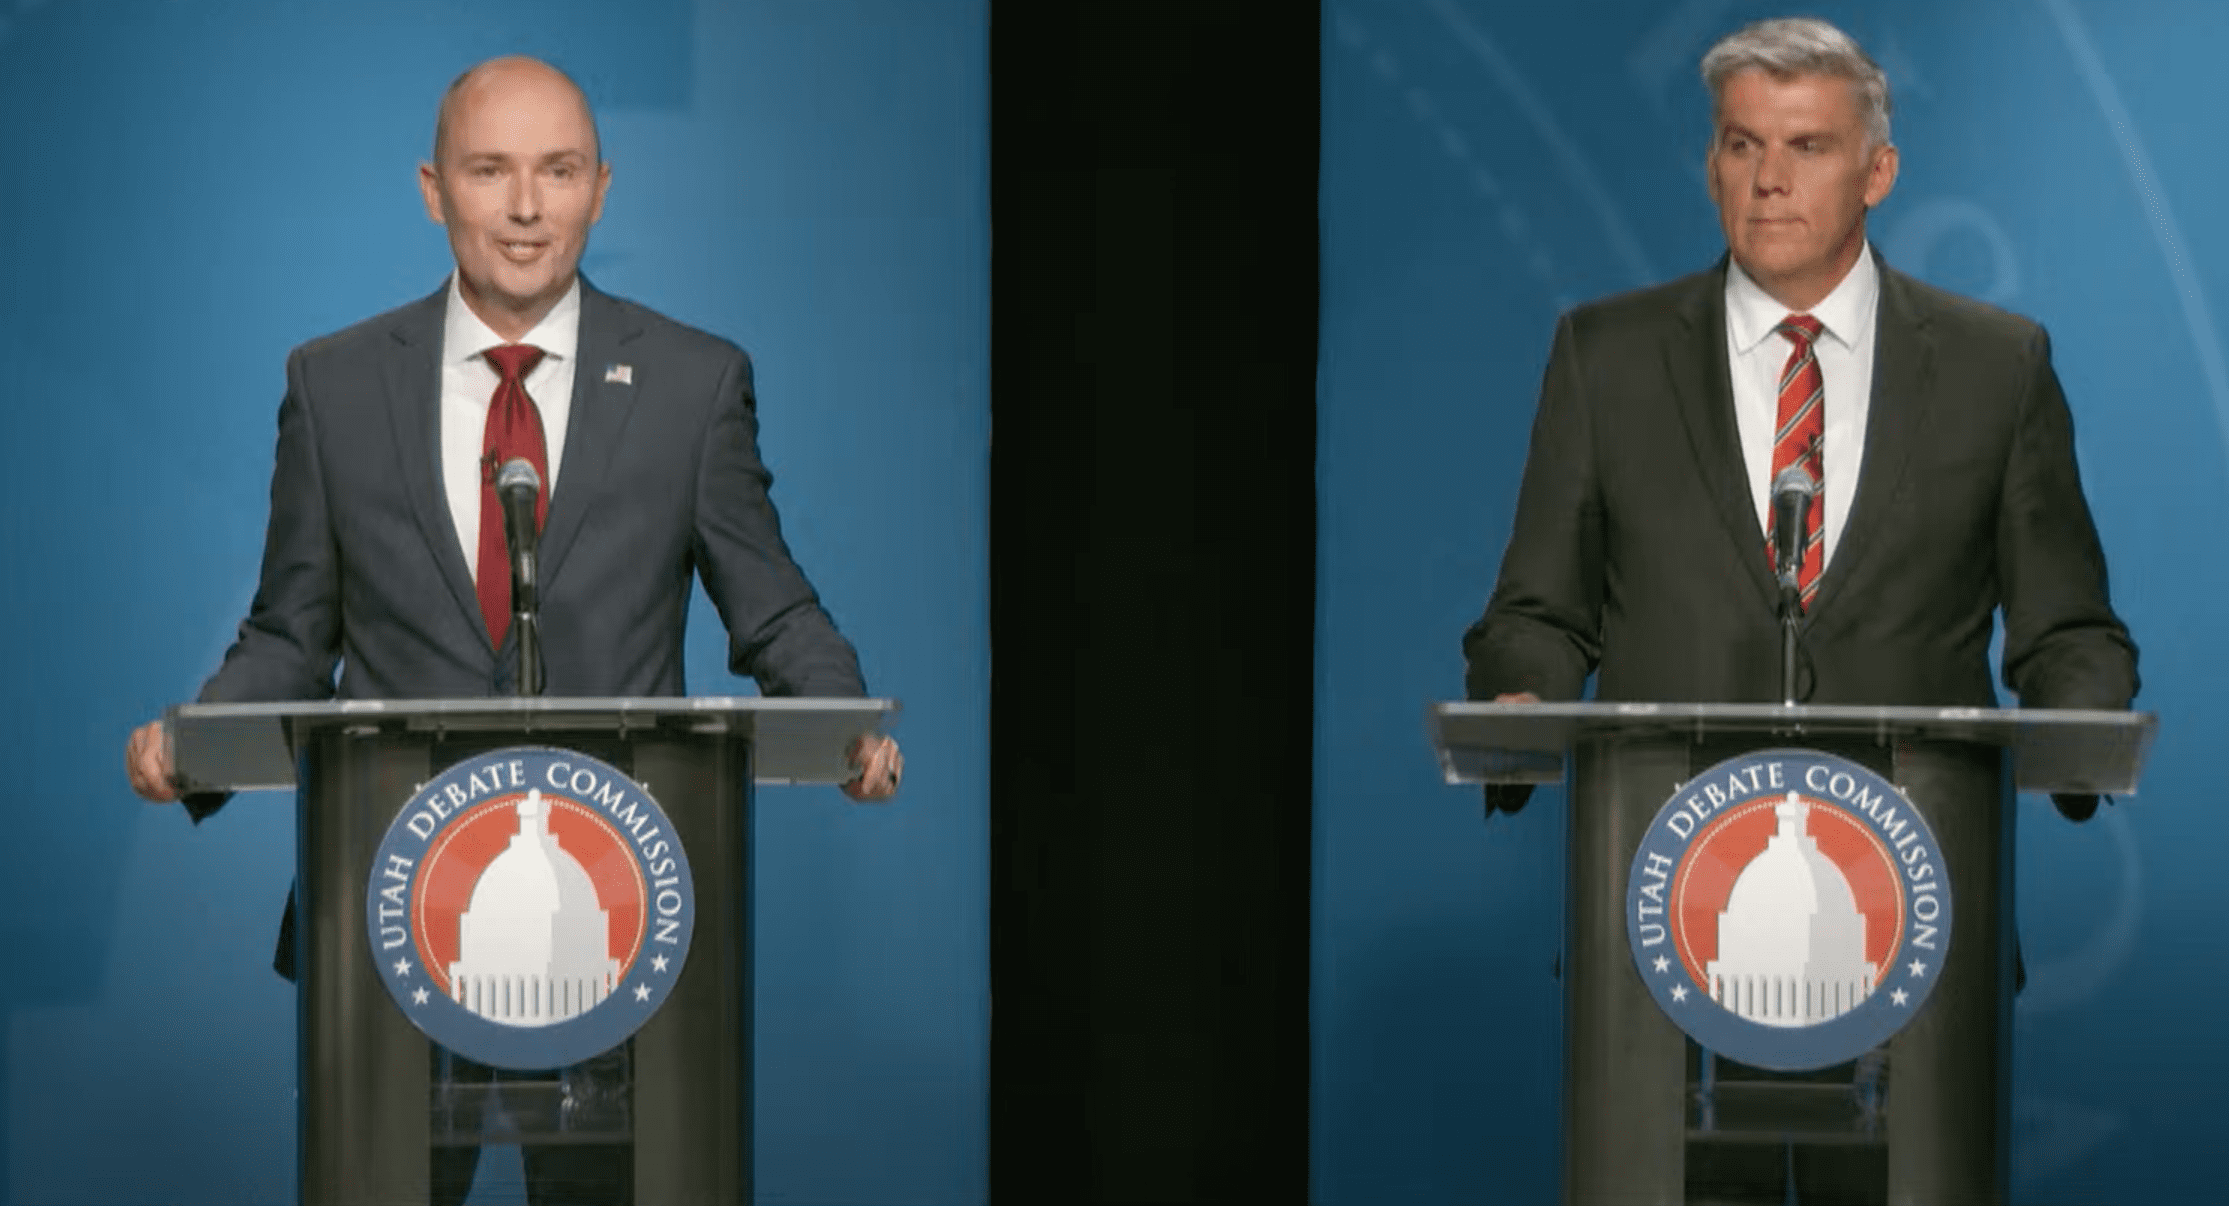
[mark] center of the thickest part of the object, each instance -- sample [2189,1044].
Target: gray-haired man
[1934,423]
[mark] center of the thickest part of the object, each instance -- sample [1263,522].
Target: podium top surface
[250,747]
[2053,750]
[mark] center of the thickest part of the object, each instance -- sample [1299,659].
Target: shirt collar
[1752,315]
[465,337]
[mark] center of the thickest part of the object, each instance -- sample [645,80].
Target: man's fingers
[147,764]
[883,766]
[151,779]
[880,767]
[874,756]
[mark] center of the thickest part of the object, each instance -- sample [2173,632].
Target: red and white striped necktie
[1799,438]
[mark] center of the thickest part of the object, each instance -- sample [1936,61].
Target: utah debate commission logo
[530,908]
[1788,909]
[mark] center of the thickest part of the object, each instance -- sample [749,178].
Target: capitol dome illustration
[1791,941]
[533,944]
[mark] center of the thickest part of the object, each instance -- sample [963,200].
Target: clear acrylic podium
[1638,1105]
[369,1108]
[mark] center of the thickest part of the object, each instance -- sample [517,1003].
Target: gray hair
[1786,47]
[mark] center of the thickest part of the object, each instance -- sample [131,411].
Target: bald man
[385,556]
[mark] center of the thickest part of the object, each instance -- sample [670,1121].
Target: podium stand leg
[364,1083]
[1949,1099]
[693,1130]
[1625,1073]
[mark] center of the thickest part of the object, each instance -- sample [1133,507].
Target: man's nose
[1772,172]
[526,199]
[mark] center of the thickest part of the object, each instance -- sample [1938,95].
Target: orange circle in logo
[1719,854]
[461,852]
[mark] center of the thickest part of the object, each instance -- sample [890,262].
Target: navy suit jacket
[661,481]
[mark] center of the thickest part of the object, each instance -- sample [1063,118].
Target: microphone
[519,487]
[1792,493]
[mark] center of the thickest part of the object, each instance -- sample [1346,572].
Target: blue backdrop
[1486,165]
[192,188]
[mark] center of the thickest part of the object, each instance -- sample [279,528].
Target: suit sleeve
[1542,628]
[289,643]
[777,631]
[2064,647]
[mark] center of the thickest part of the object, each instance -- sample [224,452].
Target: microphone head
[518,473]
[1792,480]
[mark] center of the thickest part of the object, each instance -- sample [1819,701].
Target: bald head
[505,75]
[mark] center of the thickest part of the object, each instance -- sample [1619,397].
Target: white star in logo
[642,992]
[1679,992]
[657,963]
[418,997]
[402,967]
[1918,968]
[1663,964]
[1898,997]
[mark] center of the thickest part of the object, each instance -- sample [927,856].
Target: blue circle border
[1788,1048]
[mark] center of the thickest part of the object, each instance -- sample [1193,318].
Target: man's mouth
[520,251]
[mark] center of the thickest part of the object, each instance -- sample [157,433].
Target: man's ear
[429,186]
[603,185]
[1881,176]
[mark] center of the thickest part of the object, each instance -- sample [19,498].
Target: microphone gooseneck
[519,488]
[1792,494]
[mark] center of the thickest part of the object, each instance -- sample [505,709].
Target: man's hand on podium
[880,765]
[2074,807]
[147,761]
[1509,797]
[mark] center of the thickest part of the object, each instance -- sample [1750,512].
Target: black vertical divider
[1153,221]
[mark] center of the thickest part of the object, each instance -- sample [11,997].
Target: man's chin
[1768,265]
[519,296]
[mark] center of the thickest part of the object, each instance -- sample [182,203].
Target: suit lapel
[603,396]
[414,402]
[1703,387]
[1903,369]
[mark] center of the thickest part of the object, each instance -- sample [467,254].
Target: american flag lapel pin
[622,374]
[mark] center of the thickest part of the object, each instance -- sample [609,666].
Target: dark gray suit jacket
[1638,555]
[660,480]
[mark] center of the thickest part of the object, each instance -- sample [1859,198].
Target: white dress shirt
[1845,352]
[468,384]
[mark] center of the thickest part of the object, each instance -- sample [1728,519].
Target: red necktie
[1799,438]
[514,430]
